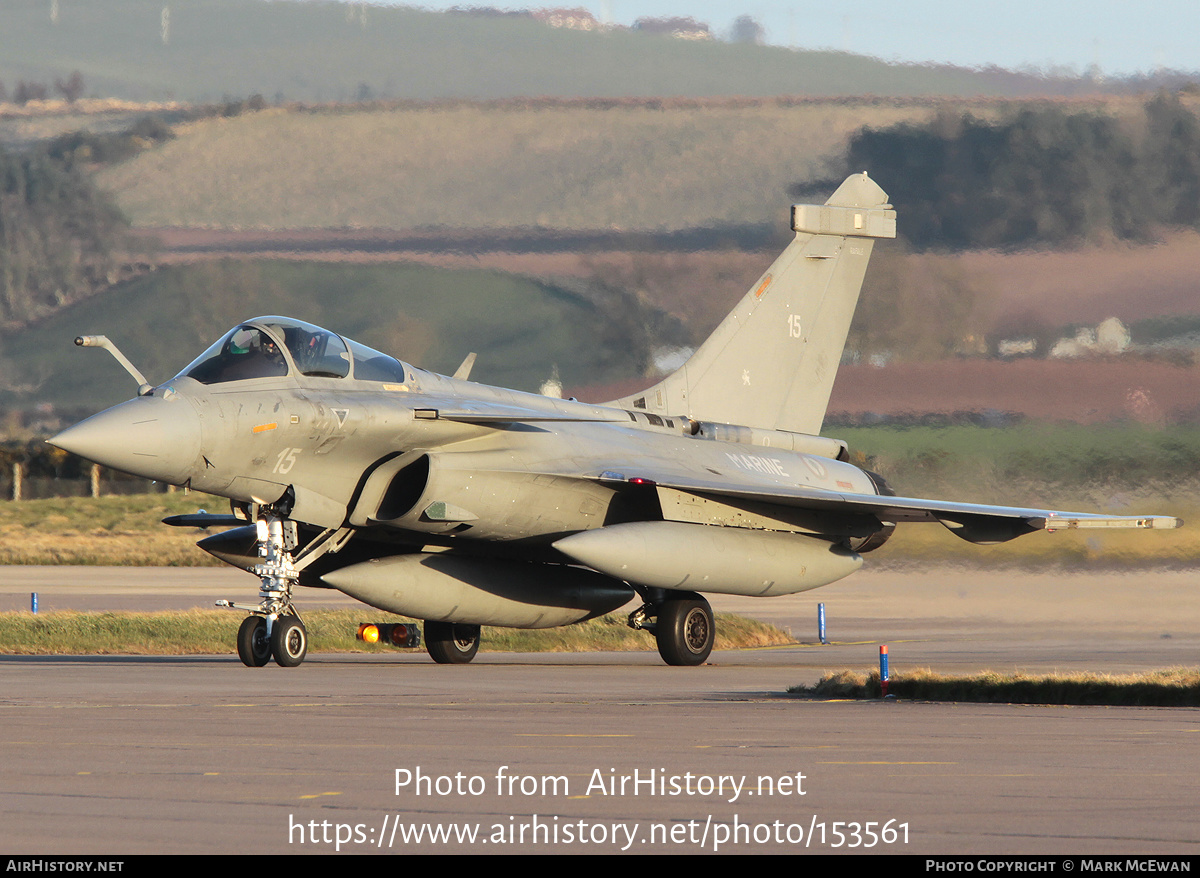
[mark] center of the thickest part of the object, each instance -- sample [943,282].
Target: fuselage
[369,452]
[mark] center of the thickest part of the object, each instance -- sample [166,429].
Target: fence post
[18,475]
[95,480]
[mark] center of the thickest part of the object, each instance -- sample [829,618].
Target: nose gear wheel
[253,642]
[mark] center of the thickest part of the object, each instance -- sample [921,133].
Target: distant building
[1017,347]
[488,12]
[572,19]
[1109,337]
[1112,337]
[678,27]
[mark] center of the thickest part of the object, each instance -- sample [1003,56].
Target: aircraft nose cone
[150,437]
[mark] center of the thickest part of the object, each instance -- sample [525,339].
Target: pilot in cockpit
[271,352]
[247,353]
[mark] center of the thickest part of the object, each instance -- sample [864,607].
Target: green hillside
[430,317]
[324,51]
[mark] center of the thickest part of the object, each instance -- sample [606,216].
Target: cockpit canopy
[272,347]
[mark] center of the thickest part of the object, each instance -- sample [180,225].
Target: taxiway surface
[189,755]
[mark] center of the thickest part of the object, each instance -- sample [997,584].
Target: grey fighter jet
[466,505]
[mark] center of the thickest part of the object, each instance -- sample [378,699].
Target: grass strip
[209,632]
[128,532]
[124,531]
[1171,687]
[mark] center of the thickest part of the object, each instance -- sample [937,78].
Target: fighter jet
[465,505]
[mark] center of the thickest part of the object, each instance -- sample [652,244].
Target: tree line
[58,235]
[1041,176]
[71,89]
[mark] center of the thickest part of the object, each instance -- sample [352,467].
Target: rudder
[771,362]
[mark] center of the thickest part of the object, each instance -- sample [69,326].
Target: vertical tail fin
[771,362]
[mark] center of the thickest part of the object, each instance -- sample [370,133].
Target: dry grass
[107,531]
[927,544]
[208,632]
[127,531]
[535,164]
[557,166]
[1173,687]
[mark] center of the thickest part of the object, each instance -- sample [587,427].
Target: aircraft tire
[289,641]
[253,645]
[451,643]
[685,630]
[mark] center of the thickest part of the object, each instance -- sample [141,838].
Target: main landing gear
[682,624]
[451,643]
[273,629]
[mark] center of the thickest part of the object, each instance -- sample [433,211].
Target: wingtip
[1072,521]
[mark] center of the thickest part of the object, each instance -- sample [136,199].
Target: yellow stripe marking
[262,428]
[566,735]
[887,763]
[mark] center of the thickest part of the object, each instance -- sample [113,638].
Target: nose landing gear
[261,638]
[273,629]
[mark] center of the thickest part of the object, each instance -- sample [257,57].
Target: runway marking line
[566,735]
[298,704]
[318,795]
[887,763]
[813,643]
[771,746]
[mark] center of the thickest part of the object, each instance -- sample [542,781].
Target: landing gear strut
[451,643]
[273,629]
[683,626]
